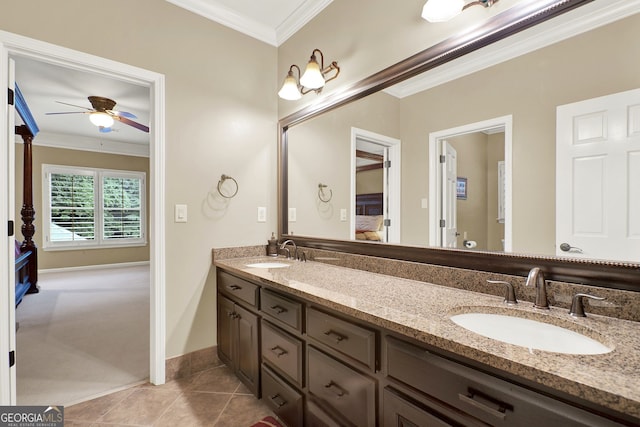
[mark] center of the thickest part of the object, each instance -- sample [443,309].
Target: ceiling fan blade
[68,112]
[136,125]
[73,105]
[123,114]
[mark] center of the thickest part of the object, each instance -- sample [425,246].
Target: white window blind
[85,208]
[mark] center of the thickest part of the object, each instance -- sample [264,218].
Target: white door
[7,253]
[448,218]
[598,178]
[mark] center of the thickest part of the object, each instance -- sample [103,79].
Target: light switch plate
[262,214]
[180,213]
[424,203]
[343,214]
[292,215]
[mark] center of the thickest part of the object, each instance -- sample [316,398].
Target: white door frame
[14,45]
[434,177]
[394,147]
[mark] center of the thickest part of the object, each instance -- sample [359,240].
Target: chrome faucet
[283,246]
[536,278]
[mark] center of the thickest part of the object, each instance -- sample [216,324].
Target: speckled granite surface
[421,310]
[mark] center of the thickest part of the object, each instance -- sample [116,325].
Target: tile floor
[214,397]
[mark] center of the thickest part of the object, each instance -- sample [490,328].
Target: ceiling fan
[103,115]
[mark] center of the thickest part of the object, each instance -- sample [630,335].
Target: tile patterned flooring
[214,397]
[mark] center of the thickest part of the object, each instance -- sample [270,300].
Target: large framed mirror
[499,99]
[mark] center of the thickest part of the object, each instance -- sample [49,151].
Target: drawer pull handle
[278,400]
[340,391]
[278,309]
[235,287]
[279,351]
[338,337]
[469,398]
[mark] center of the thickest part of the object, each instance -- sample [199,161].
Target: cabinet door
[248,356]
[225,330]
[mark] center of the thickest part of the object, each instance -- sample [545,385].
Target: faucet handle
[577,306]
[510,295]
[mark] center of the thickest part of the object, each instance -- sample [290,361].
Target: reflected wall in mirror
[529,88]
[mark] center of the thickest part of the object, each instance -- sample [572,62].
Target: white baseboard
[94,267]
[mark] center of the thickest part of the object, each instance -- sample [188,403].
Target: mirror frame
[610,274]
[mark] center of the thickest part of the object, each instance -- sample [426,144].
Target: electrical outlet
[262,214]
[343,214]
[292,214]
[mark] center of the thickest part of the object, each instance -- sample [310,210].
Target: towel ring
[321,194]
[223,178]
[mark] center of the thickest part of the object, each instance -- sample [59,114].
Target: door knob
[565,247]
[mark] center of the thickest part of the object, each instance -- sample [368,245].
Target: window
[92,208]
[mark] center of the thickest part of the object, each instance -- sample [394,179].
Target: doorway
[471,209]
[375,187]
[12,46]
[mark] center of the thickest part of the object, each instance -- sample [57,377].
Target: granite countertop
[422,311]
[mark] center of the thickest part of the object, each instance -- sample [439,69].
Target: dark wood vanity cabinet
[238,333]
[314,367]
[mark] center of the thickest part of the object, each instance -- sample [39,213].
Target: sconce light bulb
[441,10]
[312,77]
[290,90]
[99,118]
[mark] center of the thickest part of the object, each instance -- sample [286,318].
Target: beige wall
[221,115]
[365,37]
[64,157]
[529,88]
[370,181]
[320,151]
[472,164]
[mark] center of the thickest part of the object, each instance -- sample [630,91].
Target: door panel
[597,177]
[449,199]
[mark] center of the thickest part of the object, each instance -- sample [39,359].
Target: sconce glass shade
[312,77]
[290,90]
[441,10]
[101,119]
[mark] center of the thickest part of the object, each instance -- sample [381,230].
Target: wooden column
[27,212]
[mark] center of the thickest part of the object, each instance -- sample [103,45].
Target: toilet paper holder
[469,244]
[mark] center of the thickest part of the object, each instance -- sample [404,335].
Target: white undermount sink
[529,333]
[273,264]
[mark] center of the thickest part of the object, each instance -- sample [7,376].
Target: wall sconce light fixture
[313,79]
[444,10]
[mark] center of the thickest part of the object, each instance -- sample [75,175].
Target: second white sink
[529,333]
[268,265]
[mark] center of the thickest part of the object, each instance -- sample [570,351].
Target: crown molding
[304,13]
[299,18]
[84,143]
[230,19]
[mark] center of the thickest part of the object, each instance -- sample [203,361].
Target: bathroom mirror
[525,89]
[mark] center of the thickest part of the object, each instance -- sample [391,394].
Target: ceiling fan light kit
[103,114]
[445,10]
[101,119]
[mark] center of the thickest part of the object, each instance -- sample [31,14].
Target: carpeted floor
[84,335]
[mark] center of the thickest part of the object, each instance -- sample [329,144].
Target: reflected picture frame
[461,188]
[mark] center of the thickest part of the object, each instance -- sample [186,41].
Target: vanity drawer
[281,308]
[348,338]
[487,398]
[284,400]
[282,351]
[336,385]
[238,288]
